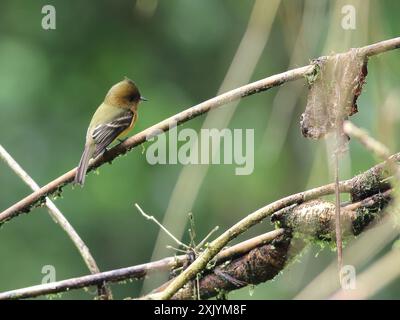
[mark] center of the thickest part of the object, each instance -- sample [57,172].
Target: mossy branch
[352,186]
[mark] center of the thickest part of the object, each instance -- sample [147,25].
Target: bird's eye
[133,97]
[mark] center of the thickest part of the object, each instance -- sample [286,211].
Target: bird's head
[124,94]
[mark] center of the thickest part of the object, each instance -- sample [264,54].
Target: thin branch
[370,143]
[161,226]
[338,231]
[373,145]
[203,242]
[380,47]
[136,272]
[60,219]
[26,204]
[116,275]
[381,151]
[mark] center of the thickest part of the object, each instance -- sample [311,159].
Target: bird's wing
[105,133]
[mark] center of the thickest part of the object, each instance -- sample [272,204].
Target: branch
[179,243]
[380,47]
[373,145]
[370,143]
[264,263]
[59,218]
[355,186]
[36,198]
[137,272]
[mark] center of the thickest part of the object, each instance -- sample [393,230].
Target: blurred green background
[179,53]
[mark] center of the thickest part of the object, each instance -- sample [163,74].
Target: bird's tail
[83,164]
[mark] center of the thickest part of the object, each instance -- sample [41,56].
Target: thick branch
[26,204]
[314,222]
[259,265]
[373,177]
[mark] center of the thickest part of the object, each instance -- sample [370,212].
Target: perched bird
[112,119]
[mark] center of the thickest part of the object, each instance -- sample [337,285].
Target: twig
[338,231]
[161,226]
[370,143]
[26,204]
[176,249]
[60,219]
[380,150]
[202,242]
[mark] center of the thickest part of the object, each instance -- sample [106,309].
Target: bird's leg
[104,152]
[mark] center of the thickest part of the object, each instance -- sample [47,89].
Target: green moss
[221,294]
[369,184]
[366,215]
[313,76]
[53,296]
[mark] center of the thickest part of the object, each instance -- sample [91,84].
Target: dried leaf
[333,94]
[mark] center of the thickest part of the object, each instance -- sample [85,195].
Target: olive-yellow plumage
[114,118]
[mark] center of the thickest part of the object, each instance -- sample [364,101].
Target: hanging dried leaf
[334,89]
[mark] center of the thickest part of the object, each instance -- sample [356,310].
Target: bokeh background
[179,52]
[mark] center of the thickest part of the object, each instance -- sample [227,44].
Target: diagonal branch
[60,219]
[25,205]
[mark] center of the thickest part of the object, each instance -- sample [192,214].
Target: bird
[113,119]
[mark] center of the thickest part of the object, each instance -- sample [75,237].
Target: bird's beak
[143,99]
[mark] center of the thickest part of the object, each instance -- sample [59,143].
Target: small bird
[114,118]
